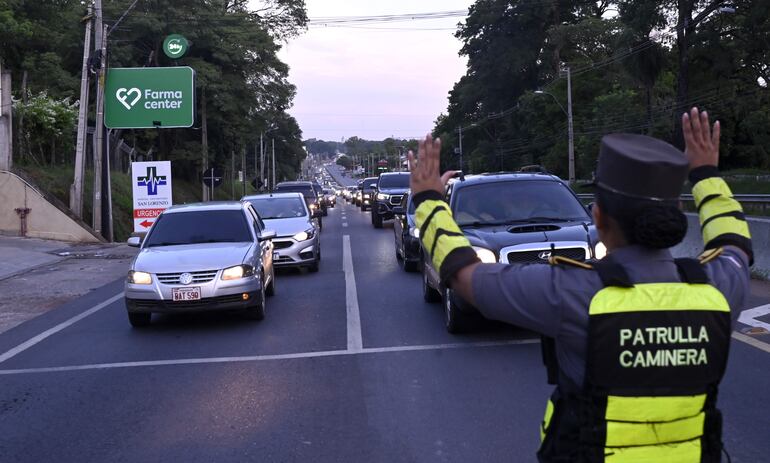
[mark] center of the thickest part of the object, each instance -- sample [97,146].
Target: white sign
[152,192]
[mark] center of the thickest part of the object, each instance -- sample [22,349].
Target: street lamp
[570,132]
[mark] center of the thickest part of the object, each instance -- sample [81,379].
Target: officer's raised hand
[425,168]
[701,140]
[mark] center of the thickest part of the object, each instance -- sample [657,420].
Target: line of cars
[521,217]
[222,256]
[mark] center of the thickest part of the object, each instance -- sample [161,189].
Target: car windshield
[279,208]
[394,181]
[199,227]
[501,203]
[369,184]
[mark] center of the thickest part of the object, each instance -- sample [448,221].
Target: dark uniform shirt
[554,300]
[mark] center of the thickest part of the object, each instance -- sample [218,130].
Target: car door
[400,224]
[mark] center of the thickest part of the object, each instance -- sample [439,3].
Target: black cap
[641,167]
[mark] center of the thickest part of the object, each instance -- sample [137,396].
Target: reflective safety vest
[656,353]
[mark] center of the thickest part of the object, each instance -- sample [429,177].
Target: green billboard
[146,98]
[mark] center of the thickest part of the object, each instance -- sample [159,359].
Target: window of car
[369,184]
[516,202]
[195,227]
[259,225]
[279,208]
[306,190]
[394,181]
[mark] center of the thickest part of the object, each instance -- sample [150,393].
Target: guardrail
[742,198]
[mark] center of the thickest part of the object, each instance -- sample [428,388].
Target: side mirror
[590,207]
[134,241]
[267,235]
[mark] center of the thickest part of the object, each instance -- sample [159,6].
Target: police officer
[637,342]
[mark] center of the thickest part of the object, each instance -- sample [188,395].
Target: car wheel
[428,293]
[408,266]
[270,291]
[320,224]
[257,311]
[376,219]
[325,212]
[314,266]
[139,320]
[455,321]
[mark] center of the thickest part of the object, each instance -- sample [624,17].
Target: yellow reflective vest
[656,354]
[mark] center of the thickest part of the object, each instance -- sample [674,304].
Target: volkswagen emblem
[545,255]
[185,278]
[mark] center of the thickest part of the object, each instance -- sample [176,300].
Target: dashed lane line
[355,343]
[262,358]
[51,331]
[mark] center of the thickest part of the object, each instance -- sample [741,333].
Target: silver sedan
[298,240]
[198,257]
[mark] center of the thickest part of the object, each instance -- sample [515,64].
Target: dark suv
[388,193]
[516,218]
[308,192]
[367,192]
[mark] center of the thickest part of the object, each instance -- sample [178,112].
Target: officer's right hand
[702,143]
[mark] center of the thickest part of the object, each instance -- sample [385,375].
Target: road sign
[212,177]
[152,192]
[146,98]
[175,46]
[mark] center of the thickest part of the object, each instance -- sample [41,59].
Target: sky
[374,83]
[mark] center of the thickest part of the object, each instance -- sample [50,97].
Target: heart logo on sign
[123,95]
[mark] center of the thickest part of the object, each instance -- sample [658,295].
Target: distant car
[516,218]
[307,189]
[388,192]
[406,235]
[359,194]
[199,257]
[298,243]
[322,199]
[331,197]
[368,188]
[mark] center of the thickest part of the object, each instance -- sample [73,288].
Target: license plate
[186,294]
[276,256]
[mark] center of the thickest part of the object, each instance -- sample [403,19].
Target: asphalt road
[349,365]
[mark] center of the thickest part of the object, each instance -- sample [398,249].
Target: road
[349,365]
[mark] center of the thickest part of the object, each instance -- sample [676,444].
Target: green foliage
[49,125]
[345,162]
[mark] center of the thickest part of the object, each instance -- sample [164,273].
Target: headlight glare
[236,272]
[415,232]
[485,255]
[139,278]
[304,235]
[382,196]
[600,250]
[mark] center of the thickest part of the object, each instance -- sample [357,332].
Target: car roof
[393,173]
[209,206]
[295,183]
[288,194]
[491,177]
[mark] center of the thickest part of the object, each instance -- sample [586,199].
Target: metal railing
[742,198]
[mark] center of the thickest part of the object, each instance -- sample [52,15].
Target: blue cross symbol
[152,180]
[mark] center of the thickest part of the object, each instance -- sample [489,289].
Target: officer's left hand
[426,167]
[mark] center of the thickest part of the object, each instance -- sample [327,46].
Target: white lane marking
[749,317]
[51,331]
[753,342]
[355,344]
[260,358]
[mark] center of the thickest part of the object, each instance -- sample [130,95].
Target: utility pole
[101,46]
[76,191]
[273,140]
[261,160]
[6,121]
[232,174]
[243,168]
[204,145]
[569,128]
[460,146]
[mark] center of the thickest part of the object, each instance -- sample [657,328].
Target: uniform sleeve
[529,296]
[730,274]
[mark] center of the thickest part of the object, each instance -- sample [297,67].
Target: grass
[57,180]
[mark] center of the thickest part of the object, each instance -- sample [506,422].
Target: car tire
[454,319]
[320,224]
[325,211]
[313,268]
[408,266]
[428,294]
[257,311]
[376,219]
[139,320]
[270,291]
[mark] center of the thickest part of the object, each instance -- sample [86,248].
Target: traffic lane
[430,406]
[393,311]
[308,313]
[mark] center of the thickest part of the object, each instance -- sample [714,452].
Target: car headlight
[485,255]
[139,278]
[600,250]
[304,235]
[239,271]
[415,232]
[382,196]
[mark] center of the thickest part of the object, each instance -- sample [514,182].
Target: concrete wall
[44,221]
[760,235]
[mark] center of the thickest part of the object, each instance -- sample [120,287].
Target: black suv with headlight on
[367,192]
[390,189]
[513,218]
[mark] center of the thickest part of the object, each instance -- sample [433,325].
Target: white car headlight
[600,250]
[236,272]
[485,255]
[382,196]
[139,278]
[304,235]
[415,232]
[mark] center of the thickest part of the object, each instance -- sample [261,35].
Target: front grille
[152,304]
[396,200]
[532,257]
[204,276]
[282,259]
[282,244]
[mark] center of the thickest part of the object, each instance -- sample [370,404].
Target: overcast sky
[374,83]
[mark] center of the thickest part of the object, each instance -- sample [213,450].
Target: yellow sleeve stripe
[439,233]
[710,187]
[718,205]
[725,225]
